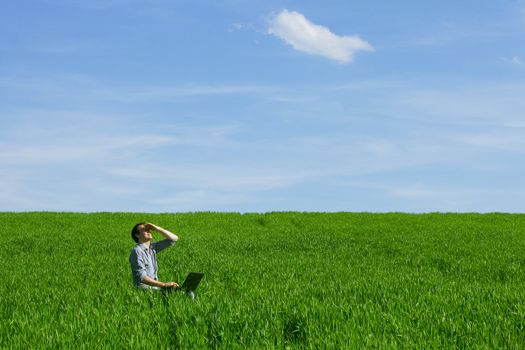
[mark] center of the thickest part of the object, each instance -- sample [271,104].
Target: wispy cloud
[296,30]
[496,104]
[84,159]
[241,178]
[62,136]
[509,141]
[87,89]
[99,165]
[429,196]
[514,61]
[58,49]
[199,199]
[234,27]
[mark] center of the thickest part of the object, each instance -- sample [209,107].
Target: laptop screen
[192,281]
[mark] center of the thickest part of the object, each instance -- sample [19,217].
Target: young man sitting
[143,258]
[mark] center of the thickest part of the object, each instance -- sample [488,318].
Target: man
[143,257]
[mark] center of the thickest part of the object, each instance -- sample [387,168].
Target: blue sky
[255,106]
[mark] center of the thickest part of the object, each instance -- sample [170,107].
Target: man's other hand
[171,285]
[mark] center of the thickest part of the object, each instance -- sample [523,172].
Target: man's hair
[135,231]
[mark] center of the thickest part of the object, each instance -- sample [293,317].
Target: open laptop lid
[192,281]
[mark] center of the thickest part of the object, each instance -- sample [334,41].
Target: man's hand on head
[150,227]
[167,234]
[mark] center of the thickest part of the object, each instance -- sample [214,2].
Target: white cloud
[78,88]
[517,61]
[84,159]
[305,36]
[497,104]
[505,140]
[195,200]
[514,60]
[58,49]
[415,191]
[243,179]
[100,165]
[52,138]
[234,27]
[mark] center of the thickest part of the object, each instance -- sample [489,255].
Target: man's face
[144,234]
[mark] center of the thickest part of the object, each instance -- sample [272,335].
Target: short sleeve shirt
[143,261]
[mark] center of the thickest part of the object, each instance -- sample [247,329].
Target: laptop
[192,281]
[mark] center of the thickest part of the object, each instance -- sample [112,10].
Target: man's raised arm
[169,235]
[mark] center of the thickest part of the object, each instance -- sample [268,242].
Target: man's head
[141,233]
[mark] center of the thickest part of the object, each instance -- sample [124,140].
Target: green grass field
[276,280]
